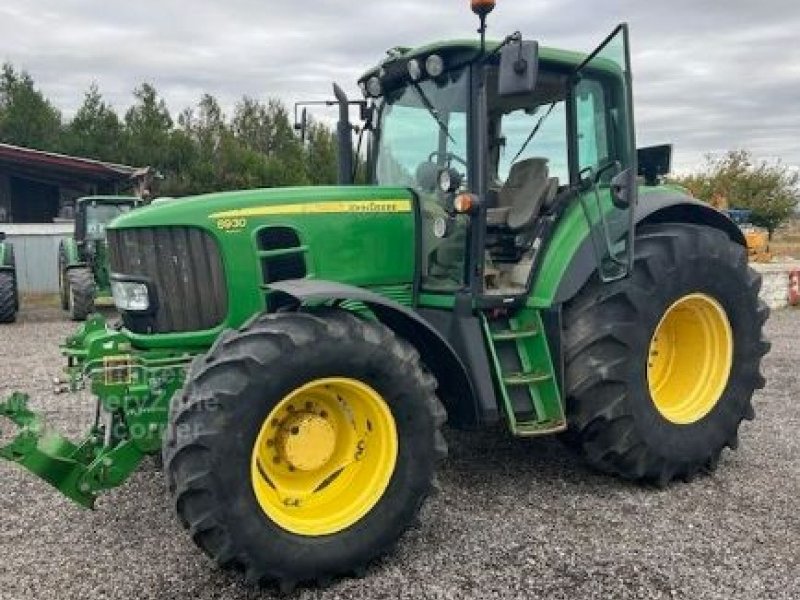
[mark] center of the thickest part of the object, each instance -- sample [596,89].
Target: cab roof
[466,49]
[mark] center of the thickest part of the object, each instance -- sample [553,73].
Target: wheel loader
[293,354]
[82,259]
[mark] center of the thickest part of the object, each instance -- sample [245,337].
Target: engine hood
[223,251]
[205,211]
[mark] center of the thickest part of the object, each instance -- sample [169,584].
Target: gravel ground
[515,518]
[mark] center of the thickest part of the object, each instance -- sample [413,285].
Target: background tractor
[294,353]
[9,294]
[83,259]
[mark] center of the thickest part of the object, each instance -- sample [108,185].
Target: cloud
[708,76]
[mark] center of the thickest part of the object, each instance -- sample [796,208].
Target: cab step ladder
[524,375]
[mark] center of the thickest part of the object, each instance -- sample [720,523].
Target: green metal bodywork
[379,252]
[7,259]
[72,254]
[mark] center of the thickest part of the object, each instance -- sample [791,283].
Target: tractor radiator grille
[185,267]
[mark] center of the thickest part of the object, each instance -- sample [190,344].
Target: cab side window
[593,146]
[550,141]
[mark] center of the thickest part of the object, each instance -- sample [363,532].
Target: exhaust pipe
[344,134]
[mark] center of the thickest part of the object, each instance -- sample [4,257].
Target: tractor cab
[94,213]
[84,280]
[497,140]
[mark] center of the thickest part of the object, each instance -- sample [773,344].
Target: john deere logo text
[314,208]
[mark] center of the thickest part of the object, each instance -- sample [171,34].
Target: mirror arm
[514,37]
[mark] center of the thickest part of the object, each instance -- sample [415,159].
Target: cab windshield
[422,124]
[98,216]
[422,129]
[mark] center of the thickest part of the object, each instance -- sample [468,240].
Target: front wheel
[63,283]
[661,366]
[81,293]
[303,445]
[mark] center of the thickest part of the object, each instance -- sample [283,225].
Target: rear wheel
[81,293]
[12,260]
[63,283]
[662,366]
[303,445]
[8,297]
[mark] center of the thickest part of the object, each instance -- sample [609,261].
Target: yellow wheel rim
[691,354]
[324,456]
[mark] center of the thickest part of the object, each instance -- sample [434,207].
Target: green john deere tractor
[83,278]
[9,293]
[295,353]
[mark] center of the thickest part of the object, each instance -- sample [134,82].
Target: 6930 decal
[231,224]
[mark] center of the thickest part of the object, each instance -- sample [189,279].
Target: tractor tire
[80,282]
[661,367]
[280,402]
[8,297]
[12,260]
[63,282]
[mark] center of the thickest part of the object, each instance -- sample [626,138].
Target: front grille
[185,267]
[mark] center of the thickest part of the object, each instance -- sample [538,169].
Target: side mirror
[519,69]
[302,125]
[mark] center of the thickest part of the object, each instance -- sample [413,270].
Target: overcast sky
[710,75]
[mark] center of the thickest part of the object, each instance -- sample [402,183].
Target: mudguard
[455,385]
[7,262]
[72,254]
[656,206]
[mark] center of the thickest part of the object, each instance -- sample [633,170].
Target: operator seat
[528,188]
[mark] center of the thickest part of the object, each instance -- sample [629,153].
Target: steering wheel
[448,156]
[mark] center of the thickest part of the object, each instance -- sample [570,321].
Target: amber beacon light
[482,7]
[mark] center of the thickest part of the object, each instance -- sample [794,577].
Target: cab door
[604,151]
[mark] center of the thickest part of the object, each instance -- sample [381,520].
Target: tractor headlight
[434,65]
[449,180]
[374,87]
[445,181]
[414,69]
[130,295]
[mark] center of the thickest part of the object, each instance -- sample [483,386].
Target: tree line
[204,150]
[199,150]
[737,180]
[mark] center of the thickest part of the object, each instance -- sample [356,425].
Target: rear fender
[7,262]
[72,254]
[455,386]
[657,206]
